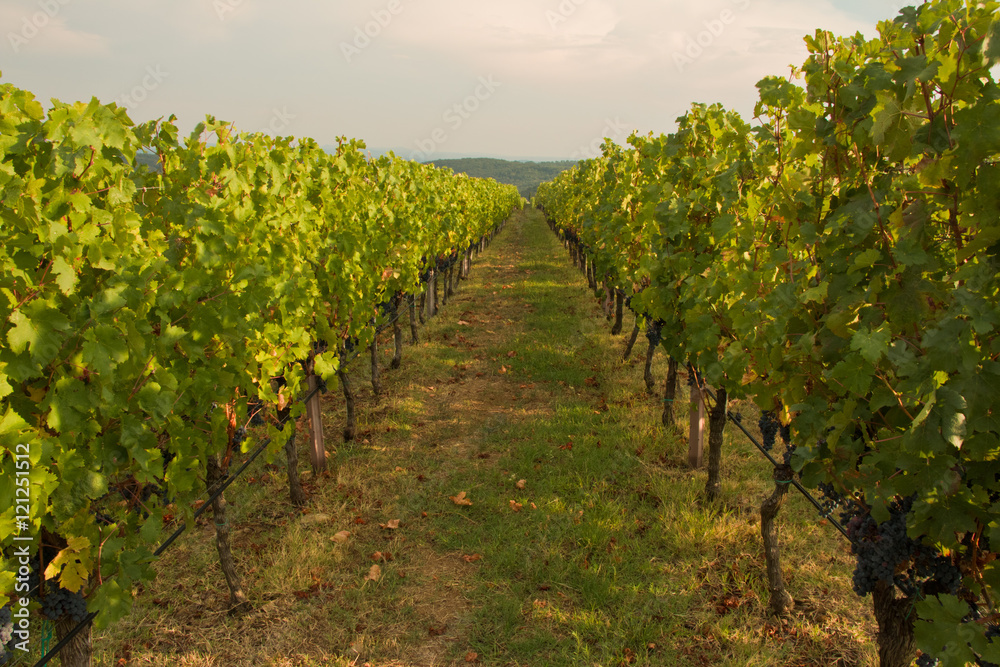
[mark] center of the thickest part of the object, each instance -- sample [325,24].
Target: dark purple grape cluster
[769,427]
[239,436]
[6,634]
[255,411]
[885,552]
[992,632]
[654,332]
[60,602]
[692,377]
[789,451]
[879,548]
[925,660]
[350,345]
[830,498]
[940,573]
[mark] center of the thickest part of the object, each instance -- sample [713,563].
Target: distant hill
[525,175]
[150,160]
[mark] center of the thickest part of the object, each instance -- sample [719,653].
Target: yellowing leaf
[70,563]
[460,499]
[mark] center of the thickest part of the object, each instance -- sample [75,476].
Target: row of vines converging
[838,262]
[157,293]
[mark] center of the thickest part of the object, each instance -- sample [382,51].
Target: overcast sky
[428,78]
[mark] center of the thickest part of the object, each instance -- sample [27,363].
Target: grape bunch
[6,634]
[60,602]
[940,573]
[879,548]
[789,451]
[255,411]
[886,553]
[925,660]
[769,427]
[831,498]
[239,436]
[992,632]
[692,378]
[654,332]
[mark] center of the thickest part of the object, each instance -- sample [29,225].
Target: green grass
[612,556]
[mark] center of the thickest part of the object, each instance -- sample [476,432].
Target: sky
[429,79]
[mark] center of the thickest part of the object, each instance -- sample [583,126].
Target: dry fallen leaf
[463,323]
[374,574]
[511,354]
[341,537]
[460,499]
[392,525]
[471,656]
[521,483]
[471,558]
[516,506]
[503,369]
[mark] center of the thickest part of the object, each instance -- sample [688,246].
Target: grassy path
[586,541]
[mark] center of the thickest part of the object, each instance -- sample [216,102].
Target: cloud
[568,68]
[44,30]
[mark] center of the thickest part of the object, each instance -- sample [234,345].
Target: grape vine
[838,258]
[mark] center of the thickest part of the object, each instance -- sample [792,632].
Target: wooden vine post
[414,336]
[696,436]
[431,294]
